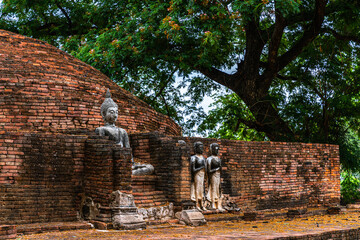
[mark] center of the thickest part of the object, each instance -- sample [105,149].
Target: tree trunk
[267,118]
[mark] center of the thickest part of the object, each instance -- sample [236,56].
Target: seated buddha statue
[109,112]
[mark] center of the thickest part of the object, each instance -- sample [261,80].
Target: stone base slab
[192,217]
[127,218]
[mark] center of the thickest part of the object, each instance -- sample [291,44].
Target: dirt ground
[265,229]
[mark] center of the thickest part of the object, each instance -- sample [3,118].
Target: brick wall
[43,176]
[44,89]
[40,177]
[44,93]
[107,168]
[8,232]
[257,175]
[170,160]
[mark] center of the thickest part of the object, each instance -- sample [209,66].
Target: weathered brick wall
[257,175]
[8,232]
[44,89]
[170,160]
[44,176]
[40,177]
[46,92]
[107,168]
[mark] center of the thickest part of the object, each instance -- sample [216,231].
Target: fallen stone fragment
[191,217]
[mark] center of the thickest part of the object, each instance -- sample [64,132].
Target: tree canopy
[290,68]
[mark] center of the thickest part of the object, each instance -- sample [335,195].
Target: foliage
[224,120]
[350,185]
[349,144]
[291,68]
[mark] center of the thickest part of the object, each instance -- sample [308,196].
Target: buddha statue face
[199,148]
[214,148]
[111,115]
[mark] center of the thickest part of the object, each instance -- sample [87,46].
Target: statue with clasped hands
[198,171]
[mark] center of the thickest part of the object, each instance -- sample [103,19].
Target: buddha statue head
[198,147]
[109,110]
[214,149]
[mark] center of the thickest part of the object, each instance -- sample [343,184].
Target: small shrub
[350,184]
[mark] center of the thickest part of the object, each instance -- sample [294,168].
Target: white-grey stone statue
[213,166]
[109,112]
[198,170]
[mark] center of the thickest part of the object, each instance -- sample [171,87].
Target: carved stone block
[192,217]
[119,199]
[127,218]
[125,214]
[157,213]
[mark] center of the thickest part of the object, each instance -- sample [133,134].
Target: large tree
[293,65]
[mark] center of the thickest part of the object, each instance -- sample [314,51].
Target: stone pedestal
[124,213]
[127,218]
[353,206]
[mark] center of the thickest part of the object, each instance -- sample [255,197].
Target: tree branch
[48,26]
[254,47]
[253,124]
[342,37]
[305,16]
[321,95]
[286,77]
[218,76]
[310,33]
[164,85]
[274,44]
[65,14]
[302,16]
[276,38]
[291,20]
[166,105]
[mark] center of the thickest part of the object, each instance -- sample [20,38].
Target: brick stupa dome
[45,89]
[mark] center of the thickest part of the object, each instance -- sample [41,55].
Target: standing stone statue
[213,165]
[109,112]
[198,170]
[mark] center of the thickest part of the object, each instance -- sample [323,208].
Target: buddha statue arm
[125,138]
[194,168]
[212,170]
[192,163]
[208,165]
[100,131]
[199,168]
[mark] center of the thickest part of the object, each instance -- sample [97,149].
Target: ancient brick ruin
[45,89]
[51,160]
